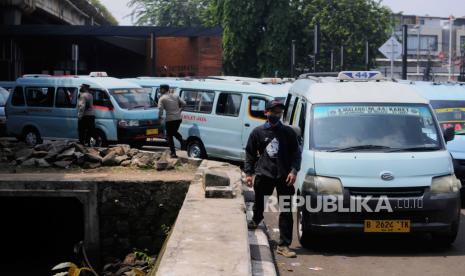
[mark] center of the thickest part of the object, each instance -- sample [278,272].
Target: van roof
[95,82]
[356,92]
[440,91]
[279,90]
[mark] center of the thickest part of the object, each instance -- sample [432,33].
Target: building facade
[430,42]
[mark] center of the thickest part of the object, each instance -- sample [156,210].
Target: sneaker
[286,252]
[173,155]
[252,225]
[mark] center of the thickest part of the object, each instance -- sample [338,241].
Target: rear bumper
[426,213]
[139,135]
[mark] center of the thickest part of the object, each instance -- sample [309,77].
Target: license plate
[152,132]
[387,226]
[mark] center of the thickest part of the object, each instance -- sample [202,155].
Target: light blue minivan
[374,151]
[45,107]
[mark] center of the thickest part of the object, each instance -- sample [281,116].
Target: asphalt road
[371,255]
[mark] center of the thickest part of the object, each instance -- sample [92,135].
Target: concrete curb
[210,236]
[263,263]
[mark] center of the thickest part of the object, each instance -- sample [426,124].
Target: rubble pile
[66,154]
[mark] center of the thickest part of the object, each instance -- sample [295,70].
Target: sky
[442,8]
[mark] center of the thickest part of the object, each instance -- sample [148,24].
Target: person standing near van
[172,104]
[86,114]
[273,155]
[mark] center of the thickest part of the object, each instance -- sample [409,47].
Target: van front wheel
[32,137]
[97,139]
[195,149]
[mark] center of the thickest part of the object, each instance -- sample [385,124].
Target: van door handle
[247,125]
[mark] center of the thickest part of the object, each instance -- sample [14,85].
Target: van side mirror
[449,134]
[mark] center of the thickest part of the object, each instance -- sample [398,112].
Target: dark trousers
[86,127]
[172,128]
[264,186]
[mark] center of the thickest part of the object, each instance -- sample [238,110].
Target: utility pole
[292,58]
[342,58]
[404,51]
[316,47]
[451,21]
[367,56]
[418,49]
[75,57]
[332,60]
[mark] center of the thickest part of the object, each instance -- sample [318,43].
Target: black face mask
[273,119]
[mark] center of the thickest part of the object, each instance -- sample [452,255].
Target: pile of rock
[129,266]
[65,154]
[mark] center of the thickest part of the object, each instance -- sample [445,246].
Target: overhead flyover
[122,51]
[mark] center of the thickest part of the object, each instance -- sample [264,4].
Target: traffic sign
[391,49]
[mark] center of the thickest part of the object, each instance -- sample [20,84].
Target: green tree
[172,13]
[104,11]
[348,23]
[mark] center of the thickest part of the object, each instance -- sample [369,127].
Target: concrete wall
[188,56]
[118,215]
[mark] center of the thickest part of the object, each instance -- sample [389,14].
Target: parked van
[448,102]
[369,141]
[3,98]
[45,107]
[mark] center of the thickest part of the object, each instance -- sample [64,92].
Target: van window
[40,96]
[373,127]
[290,103]
[66,97]
[229,104]
[101,97]
[257,107]
[302,119]
[198,101]
[18,97]
[131,98]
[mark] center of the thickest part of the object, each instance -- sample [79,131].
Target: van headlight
[128,123]
[445,184]
[323,185]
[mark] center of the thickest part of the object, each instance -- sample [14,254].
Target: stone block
[215,178]
[219,192]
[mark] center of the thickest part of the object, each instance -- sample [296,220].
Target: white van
[371,141]
[219,116]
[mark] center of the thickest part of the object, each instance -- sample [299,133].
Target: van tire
[195,149]
[307,238]
[99,138]
[31,136]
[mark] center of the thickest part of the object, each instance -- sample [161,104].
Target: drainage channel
[43,220]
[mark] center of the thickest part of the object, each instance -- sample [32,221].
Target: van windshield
[132,98]
[376,127]
[450,114]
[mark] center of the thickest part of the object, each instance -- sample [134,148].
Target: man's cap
[274,103]
[165,86]
[85,85]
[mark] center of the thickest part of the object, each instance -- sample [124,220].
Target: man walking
[86,115]
[172,104]
[273,156]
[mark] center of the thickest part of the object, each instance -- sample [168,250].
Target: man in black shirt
[273,156]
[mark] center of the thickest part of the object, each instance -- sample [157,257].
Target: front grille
[389,192]
[413,216]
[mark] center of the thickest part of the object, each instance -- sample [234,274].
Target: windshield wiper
[360,147]
[422,148]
